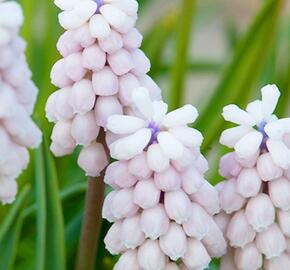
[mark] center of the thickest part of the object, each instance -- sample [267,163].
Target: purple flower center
[154,132]
[99,3]
[261,129]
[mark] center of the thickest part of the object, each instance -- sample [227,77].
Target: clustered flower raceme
[17,98]
[161,205]
[255,198]
[101,66]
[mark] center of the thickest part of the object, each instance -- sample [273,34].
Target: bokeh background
[204,52]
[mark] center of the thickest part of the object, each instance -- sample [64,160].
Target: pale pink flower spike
[18,94]
[255,197]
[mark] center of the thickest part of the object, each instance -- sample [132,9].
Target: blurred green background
[208,53]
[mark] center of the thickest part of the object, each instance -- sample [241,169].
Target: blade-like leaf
[179,67]
[13,212]
[41,213]
[55,243]
[237,83]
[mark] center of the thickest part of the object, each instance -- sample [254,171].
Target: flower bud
[83,36]
[146,194]
[84,129]
[73,67]
[168,180]
[174,243]
[150,256]
[282,262]
[222,220]
[177,206]
[107,212]
[120,62]
[192,180]
[112,43]
[207,197]
[284,222]
[271,242]
[267,169]
[139,168]
[82,98]
[99,28]
[198,224]
[196,256]
[123,205]
[248,257]
[157,161]
[105,107]
[214,241]
[93,159]
[260,212]
[93,58]
[248,183]
[154,222]
[141,64]
[8,190]
[131,234]
[61,134]
[128,261]
[229,166]
[239,232]
[132,40]
[105,82]
[230,200]
[279,191]
[117,175]
[112,239]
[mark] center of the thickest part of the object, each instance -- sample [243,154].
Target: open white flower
[162,134]
[259,129]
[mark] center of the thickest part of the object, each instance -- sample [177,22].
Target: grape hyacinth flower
[255,197]
[101,66]
[161,205]
[17,98]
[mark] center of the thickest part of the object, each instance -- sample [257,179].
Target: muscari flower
[161,206]
[163,135]
[255,195]
[101,66]
[258,129]
[18,94]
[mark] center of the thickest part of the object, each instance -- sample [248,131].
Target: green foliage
[41,229]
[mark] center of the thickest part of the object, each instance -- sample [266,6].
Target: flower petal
[189,137]
[234,114]
[255,109]
[124,124]
[280,153]
[182,116]
[159,111]
[170,146]
[231,136]
[141,99]
[270,97]
[275,130]
[157,160]
[130,146]
[249,144]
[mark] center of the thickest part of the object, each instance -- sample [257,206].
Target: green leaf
[9,219]
[41,213]
[9,245]
[179,67]
[55,242]
[238,81]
